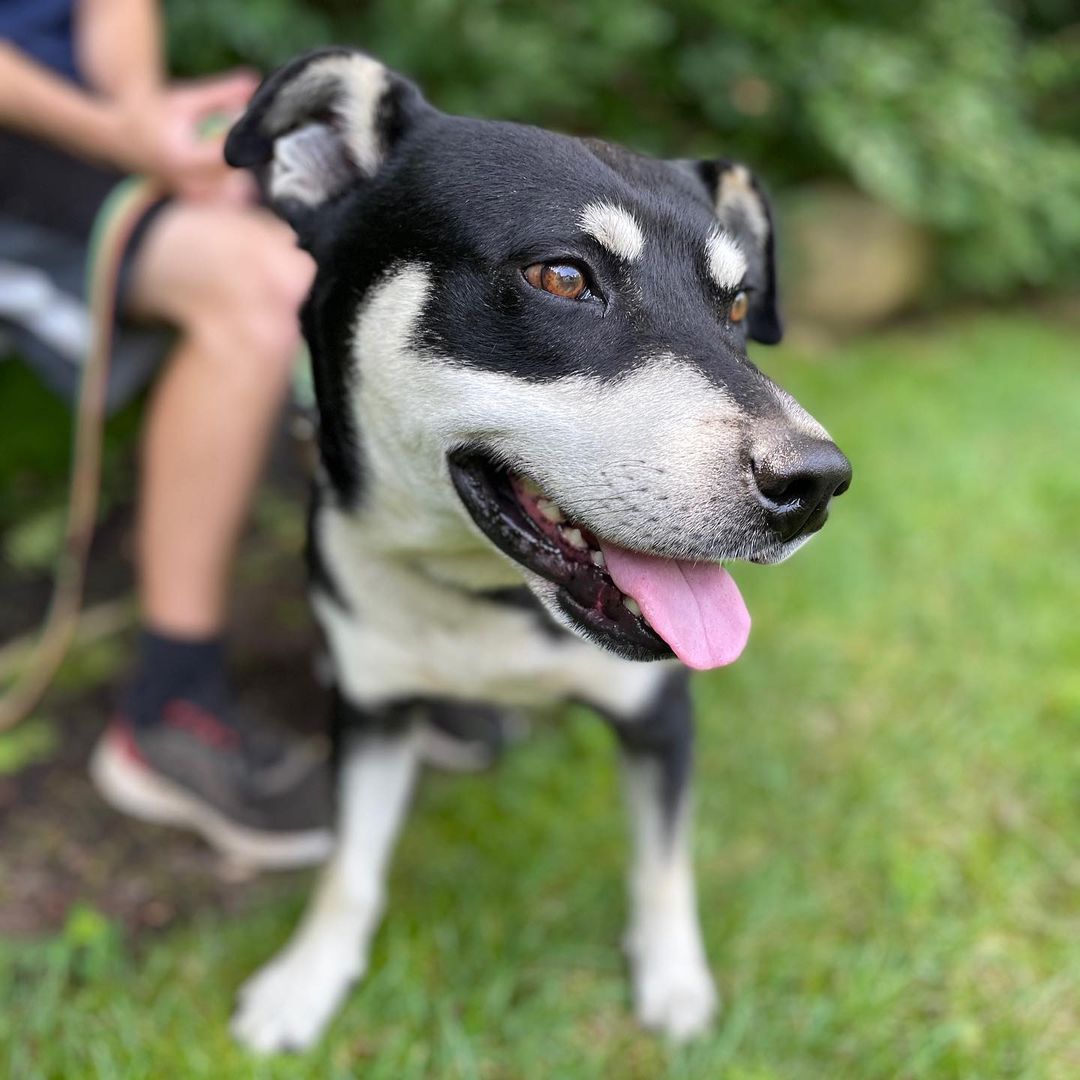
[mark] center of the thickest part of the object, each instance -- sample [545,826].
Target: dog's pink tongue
[695,607]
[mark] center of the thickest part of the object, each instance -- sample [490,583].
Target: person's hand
[165,136]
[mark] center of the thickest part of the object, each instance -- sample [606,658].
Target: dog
[540,438]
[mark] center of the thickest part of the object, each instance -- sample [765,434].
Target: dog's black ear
[743,210]
[320,124]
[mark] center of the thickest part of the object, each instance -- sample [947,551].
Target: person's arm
[36,102]
[121,54]
[119,48]
[154,133]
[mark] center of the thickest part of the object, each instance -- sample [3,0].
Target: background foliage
[960,114]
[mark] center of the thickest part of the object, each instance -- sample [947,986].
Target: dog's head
[543,338]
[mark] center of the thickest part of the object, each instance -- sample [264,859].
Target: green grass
[35,448]
[889,828]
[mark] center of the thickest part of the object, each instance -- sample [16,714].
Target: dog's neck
[399,525]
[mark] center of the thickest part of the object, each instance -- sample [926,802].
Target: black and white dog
[541,436]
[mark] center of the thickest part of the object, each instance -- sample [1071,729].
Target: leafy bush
[954,112]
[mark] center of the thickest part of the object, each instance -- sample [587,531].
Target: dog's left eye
[559,279]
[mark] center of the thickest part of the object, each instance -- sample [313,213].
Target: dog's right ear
[743,209]
[319,125]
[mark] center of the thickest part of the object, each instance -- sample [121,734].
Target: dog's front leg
[673,989]
[287,1003]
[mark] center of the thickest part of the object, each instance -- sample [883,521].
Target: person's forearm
[36,102]
[119,46]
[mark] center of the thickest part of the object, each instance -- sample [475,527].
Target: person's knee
[252,311]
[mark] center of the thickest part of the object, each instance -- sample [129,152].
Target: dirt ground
[61,844]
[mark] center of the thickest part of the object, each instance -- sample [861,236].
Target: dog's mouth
[641,606]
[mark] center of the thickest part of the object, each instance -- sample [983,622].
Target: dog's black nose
[796,479]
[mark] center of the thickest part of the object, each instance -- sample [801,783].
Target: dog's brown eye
[739,307]
[559,279]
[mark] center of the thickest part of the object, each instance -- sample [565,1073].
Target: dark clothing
[177,669]
[43,29]
[49,201]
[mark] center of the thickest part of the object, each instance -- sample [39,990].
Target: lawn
[888,803]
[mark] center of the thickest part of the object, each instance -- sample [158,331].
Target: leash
[112,232]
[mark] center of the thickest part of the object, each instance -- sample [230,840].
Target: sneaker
[258,797]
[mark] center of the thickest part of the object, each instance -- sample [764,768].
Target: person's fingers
[192,154]
[207,152]
[221,185]
[192,157]
[222,93]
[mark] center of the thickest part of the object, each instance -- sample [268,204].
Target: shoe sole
[138,791]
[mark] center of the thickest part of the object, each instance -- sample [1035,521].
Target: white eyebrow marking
[726,262]
[614,228]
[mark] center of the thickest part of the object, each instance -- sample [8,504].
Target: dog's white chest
[401,634]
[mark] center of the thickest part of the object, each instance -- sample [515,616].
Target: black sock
[170,668]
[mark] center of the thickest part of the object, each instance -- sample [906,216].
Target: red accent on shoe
[120,731]
[204,725]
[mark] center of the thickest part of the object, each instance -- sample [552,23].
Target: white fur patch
[614,228]
[725,259]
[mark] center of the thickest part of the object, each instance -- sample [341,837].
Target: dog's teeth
[574,538]
[631,605]
[550,511]
[598,558]
[528,486]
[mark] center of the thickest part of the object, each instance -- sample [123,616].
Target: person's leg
[232,281]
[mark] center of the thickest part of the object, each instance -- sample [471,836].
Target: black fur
[350,719]
[521,596]
[665,732]
[326,320]
[472,721]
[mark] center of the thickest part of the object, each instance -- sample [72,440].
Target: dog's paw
[286,1005]
[674,995]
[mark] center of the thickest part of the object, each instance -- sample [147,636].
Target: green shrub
[954,112]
